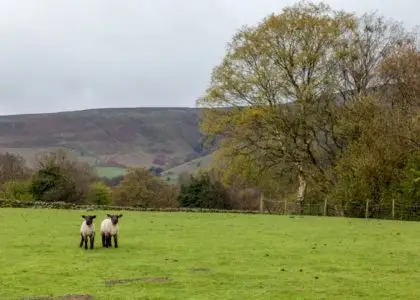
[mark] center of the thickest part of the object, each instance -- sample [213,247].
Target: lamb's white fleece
[108,228]
[86,230]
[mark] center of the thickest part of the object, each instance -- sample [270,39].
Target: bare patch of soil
[65,297]
[150,280]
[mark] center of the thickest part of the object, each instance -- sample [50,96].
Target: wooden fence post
[367,209]
[393,208]
[262,202]
[325,206]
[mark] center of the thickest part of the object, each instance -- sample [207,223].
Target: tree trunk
[301,189]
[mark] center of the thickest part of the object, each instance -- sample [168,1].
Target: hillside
[108,138]
[190,167]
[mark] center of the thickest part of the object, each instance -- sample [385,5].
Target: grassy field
[110,172]
[210,256]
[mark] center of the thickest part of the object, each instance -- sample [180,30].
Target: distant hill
[109,139]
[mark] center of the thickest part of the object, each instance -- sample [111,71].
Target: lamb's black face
[114,218]
[89,219]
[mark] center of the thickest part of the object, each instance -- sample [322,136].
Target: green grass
[244,257]
[110,172]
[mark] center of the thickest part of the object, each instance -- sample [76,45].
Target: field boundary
[64,205]
[310,209]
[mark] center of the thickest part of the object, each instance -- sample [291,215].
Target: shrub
[141,189]
[112,182]
[16,190]
[203,192]
[244,198]
[155,171]
[58,178]
[99,194]
[12,167]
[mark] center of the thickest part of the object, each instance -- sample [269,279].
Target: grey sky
[76,54]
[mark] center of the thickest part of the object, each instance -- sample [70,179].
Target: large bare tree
[279,94]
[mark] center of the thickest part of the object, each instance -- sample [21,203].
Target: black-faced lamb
[109,228]
[87,230]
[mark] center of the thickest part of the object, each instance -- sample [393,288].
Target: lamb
[87,230]
[109,228]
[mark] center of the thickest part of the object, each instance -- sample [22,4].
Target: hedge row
[64,205]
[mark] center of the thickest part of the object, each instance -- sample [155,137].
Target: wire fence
[392,210]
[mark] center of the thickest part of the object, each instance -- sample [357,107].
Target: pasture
[110,172]
[209,256]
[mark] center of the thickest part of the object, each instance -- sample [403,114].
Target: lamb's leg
[103,240]
[115,241]
[81,242]
[107,237]
[86,241]
[109,241]
[92,241]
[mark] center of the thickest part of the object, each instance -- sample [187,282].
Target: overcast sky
[76,54]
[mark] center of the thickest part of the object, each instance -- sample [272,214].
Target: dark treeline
[58,178]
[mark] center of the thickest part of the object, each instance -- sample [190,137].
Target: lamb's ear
[94,216]
[108,215]
[120,216]
[84,217]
